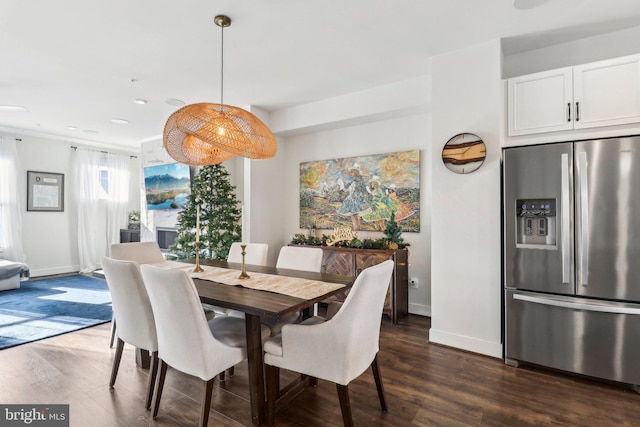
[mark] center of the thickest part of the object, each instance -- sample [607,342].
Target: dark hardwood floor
[426,385]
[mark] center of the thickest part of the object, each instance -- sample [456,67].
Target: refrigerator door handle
[577,305]
[584,219]
[564,232]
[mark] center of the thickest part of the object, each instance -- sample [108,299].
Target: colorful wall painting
[361,192]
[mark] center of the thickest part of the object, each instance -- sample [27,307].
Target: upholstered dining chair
[131,306]
[339,349]
[186,341]
[141,253]
[296,258]
[299,258]
[255,253]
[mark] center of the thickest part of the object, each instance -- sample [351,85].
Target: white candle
[198,224]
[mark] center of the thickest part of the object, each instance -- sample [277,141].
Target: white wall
[383,136]
[465,227]
[50,238]
[590,49]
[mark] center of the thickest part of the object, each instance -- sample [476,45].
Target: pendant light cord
[222,67]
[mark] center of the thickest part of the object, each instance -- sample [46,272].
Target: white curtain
[10,202]
[86,171]
[118,199]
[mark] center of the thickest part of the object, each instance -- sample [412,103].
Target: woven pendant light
[206,134]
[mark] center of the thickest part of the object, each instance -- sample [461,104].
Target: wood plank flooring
[426,385]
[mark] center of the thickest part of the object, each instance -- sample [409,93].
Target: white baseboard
[56,270]
[420,309]
[488,348]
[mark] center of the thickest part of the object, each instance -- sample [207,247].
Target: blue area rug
[43,308]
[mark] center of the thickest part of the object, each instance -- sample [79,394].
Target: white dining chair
[143,253]
[339,349]
[131,306]
[300,258]
[186,341]
[140,252]
[255,253]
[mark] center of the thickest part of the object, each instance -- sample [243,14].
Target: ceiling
[80,64]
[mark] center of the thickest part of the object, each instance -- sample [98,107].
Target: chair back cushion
[136,325]
[140,252]
[185,341]
[255,253]
[300,258]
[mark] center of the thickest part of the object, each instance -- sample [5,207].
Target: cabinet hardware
[568,111]
[577,111]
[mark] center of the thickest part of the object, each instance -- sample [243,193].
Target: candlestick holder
[243,273]
[198,269]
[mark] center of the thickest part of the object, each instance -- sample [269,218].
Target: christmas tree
[392,234]
[220,216]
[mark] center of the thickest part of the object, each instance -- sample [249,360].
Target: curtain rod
[105,152]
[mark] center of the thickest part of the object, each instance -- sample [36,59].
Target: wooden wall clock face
[464,153]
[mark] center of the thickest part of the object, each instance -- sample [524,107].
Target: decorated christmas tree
[392,234]
[220,216]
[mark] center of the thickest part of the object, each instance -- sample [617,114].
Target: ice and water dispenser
[536,223]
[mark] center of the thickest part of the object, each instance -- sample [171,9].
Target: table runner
[291,286]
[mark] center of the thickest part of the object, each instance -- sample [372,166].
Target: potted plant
[134,220]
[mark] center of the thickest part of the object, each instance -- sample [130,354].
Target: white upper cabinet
[540,102]
[607,92]
[603,93]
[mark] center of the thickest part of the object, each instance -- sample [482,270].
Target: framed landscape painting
[167,186]
[361,192]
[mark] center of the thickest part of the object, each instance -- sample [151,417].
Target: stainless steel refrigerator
[572,257]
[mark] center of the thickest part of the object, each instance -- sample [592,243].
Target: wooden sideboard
[351,261]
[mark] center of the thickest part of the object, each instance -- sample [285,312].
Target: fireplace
[165,237]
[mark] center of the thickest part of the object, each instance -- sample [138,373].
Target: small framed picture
[45,191]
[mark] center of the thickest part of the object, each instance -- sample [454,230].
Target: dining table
[256,304]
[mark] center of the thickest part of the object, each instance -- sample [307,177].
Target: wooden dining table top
[260,302]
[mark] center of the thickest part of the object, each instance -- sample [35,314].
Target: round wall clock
[464,153]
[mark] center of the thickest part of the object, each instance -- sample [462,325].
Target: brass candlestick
[243,274]
[198,269]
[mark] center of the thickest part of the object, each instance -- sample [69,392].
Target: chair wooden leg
[162,372]
[272,379]
[153,373]
[345,405]
[116,362]
[206,402]
[230,371]
[113,332]
[378,378]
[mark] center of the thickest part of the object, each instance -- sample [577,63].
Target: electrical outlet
[413,282]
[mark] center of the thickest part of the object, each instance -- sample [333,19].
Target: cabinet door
[607,92]
[540,102]
[336,262]
[364,260]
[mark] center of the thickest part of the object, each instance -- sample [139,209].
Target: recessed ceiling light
[12,108]
[174,102]
[72,128]
[90,131]
[140,101]
[120,121]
